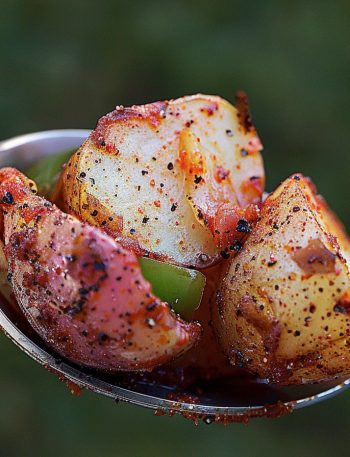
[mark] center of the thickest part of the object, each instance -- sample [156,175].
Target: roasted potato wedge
[82,292]
[283,306]
[178,180]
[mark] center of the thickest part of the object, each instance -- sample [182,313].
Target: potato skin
[282,307]
[5,286]
[82,292]
[164,178]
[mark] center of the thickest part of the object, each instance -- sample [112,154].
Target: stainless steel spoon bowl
[225,401]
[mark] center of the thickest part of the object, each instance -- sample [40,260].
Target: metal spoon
[236,401]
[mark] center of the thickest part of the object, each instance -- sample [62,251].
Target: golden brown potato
[283,306]
[82,292]
[178,179]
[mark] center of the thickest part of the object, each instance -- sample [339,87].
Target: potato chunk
[169,178]
[283,307]
[81,291]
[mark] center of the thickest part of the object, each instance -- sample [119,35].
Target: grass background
[64,64]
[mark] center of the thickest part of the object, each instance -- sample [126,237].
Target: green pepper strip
[181,287]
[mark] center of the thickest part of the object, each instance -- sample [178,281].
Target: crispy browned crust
[152,113]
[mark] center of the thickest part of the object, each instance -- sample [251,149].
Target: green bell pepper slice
[181,287]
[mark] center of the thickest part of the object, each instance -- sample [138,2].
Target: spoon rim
[27,138]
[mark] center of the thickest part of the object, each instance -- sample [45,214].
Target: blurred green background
[66,63]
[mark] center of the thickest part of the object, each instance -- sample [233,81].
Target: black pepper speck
[243,226]
[8,198]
